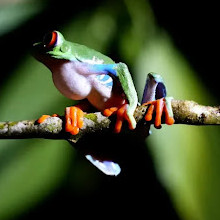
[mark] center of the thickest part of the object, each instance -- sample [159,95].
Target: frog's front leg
[155,95]
[126,110]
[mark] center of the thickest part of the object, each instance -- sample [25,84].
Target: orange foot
[121,116]
[74,119]
[159,107]
[44,117]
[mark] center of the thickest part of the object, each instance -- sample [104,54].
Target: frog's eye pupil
[50,39]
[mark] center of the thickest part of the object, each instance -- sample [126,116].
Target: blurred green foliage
[186,158]
[12,15]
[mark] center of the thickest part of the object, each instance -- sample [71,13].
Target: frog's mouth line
[39,47]
[39,51]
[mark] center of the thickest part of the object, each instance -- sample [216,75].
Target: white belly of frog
[103,94]
[70,82]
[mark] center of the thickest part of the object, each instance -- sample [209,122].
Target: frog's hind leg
[155,96]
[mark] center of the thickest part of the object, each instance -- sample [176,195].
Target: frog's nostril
[50,39]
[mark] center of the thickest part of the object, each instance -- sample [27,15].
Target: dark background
[131,193]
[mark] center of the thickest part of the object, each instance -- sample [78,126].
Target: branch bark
[185,112]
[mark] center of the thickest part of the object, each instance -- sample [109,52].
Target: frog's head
[52,48]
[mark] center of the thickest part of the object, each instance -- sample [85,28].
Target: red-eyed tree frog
[81,73]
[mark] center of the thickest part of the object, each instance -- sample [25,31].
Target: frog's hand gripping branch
[126,112]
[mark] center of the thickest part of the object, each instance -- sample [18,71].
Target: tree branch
[185,112]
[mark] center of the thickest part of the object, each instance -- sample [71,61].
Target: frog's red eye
[50,39]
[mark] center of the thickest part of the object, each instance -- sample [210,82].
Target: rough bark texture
[185,112]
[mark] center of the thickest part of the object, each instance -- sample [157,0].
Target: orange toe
[80,115]
[159,112]
[74,119]
[73,116]
[109,111]
[160,108]
[168,120]
[150,111]
[118,126]
[68,124]
[121,116]
[74,131]
[42,118]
